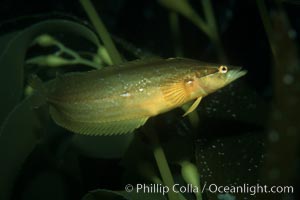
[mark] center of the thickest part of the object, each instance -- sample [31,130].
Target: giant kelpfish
[119,99]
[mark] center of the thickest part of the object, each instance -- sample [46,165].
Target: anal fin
[116,127]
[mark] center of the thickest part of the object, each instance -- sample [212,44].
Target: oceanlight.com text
[248,189]
[212,188]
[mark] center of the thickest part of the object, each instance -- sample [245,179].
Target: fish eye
[223,69]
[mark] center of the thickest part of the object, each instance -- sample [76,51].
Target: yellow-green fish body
[119,99]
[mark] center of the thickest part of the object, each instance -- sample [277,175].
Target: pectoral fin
[193,107]
[174,92]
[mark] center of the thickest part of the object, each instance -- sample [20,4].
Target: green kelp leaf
[100,28]
[12,57]
[4,41]
[17,140]
[122,195]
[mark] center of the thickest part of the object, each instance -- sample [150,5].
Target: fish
[119,99]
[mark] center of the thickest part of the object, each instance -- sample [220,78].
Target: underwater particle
[274,174]
[292,34]
[216,101]
[189,82]
[251,160]
[233,115]
[208,108]
[273,136]
[141,89]
[288,79]
[213,146]
[226,197]
[251,106]
[126,94]
[86,22]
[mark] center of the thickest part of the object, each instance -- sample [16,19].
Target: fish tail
[40,92]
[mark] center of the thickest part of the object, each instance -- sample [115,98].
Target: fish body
[119,99]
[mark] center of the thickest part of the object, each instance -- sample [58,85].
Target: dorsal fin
[110,70]
[139,62]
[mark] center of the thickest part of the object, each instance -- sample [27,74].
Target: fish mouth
[241,72]
[236,73]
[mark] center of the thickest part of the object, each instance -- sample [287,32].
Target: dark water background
[248,132]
